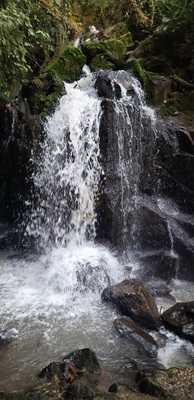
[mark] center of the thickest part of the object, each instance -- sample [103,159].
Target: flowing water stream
[52,299]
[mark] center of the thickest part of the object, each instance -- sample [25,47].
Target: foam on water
[60,278]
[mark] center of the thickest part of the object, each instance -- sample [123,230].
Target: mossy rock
[69,66]
[113,50]
[137,68]
[43,94]
[118,30]
[100,62]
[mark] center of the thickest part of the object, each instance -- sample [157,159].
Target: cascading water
[132,114]
[53,299]
[68,172]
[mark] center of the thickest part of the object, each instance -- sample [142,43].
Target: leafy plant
[30,32]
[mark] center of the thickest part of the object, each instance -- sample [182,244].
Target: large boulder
[134,300]
[131,331]
[172,384]
[180,319]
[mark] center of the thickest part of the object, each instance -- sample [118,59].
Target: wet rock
[175,383]
[180,319]
[107,88]
[130,330]
[132,299]
[159,288]
[78,391]
[77,374]
[159,265]
[20,132]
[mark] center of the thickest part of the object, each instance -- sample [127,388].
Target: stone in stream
[171,384]
[134,300]
[180,319]
[130,330]
[77,374]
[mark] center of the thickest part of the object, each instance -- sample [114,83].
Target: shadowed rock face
[148,162]
[20,134]
[180,319]
[132,299]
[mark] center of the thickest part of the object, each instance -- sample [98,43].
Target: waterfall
[70,168]
[68,172]
[134,120]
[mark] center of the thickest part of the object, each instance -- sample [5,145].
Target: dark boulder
[106,88]
[77,375]
[180,319]
[108,84]
[131,331]
[134,300]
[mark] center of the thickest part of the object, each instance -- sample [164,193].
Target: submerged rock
[172,384]
[130,330]
[132,299]
[180,319]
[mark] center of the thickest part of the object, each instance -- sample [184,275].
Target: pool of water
[53,302]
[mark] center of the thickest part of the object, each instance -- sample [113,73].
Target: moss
[138,70]
[116,50]
[68,66]
[101,62]
[113,51]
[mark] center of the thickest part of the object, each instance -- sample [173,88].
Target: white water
[68,172]
[53,300]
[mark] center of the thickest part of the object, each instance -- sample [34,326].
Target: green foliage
[105,54]
[29,32]
[177,11]
[68,66]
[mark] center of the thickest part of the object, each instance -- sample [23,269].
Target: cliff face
[157,49]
